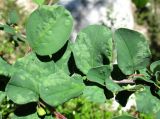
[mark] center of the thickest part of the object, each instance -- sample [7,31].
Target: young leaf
[39,2]
[93,47]
[132,50]
[48,28]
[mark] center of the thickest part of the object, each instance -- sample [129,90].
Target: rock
[112,13]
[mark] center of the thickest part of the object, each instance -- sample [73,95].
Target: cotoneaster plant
[57,70]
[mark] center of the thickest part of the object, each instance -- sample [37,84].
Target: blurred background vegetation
[13,46]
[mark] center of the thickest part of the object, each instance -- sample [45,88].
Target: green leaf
[93,47]
[124,117]
[146,102]
[132,50]
[94,94]
[99,74]
[13,17]
[32,116]
[36,79]
[2,96]
[5,68]
[155,66]
[39,2]
[59,88]
[48,29]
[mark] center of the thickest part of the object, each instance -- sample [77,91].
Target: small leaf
[132,50]
[93,47]
[39,2]
[99,74]
[48,29]
[95,94]
[124,117]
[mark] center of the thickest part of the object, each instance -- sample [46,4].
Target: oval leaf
[93,47]
[48,28]
[132,50]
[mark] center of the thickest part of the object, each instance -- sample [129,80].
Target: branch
[125,81]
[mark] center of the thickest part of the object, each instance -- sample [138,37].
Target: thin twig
[124,81]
